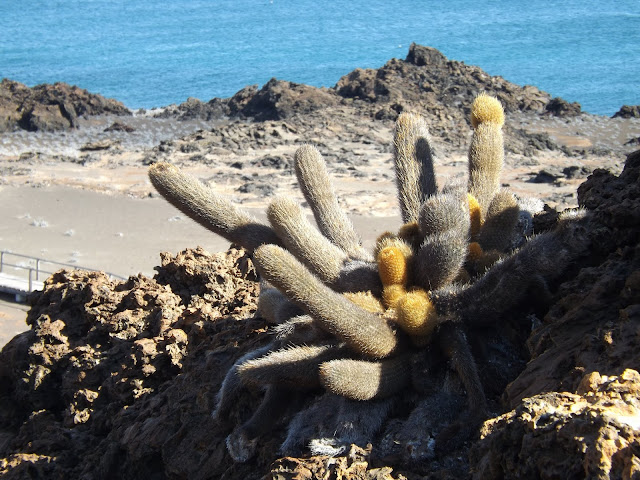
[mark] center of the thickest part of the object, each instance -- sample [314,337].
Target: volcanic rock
[628,111]
[50,107]
[561,108]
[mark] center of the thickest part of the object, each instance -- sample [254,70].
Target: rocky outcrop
[101,353]
[559,107]
[425,81]
[628,111]
[593,433]
[278,100]
[50,107]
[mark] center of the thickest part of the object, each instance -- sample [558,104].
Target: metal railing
[34,266]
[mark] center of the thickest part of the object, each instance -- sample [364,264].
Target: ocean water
[151,53]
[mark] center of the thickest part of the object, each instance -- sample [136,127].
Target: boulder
[628,111]
[50,107]
[559,107]
[279,99]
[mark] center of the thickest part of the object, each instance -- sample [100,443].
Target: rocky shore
[117,379]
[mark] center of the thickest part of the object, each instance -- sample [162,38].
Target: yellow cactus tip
[391,295]
[416,315]
[407,118]
[486,109]
[475,251]
[475,214]
[392,266]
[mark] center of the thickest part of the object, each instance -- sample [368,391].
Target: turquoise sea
[151,53]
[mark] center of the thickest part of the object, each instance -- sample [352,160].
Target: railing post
[37,269]
[30,279]
[1,260]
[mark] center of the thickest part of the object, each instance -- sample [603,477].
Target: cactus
[502,216]
[369,328]
[293,367]
[306,243]
[316,187]
[367,333]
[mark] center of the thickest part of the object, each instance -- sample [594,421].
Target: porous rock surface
[118,379]
[50,107]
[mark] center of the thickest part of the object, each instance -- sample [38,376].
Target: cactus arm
[413,157]
[232,386]
[318,190]
[242,442]
[455,346]
[445,221]
[365,332]
[486,152]
[206,207]
[304,241]
[363,380]
[445,212]
[274,307]
[499,227]
[294,367]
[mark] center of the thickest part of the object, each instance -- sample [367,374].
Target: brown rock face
[99,350]
[50,107]
[594,433]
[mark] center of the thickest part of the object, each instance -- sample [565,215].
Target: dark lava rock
[259,189]
[279,99]
[576,171]
[547,175]
[120,127]
[194,109]
[426,79]
[628,111]
[50,107]
[561,108]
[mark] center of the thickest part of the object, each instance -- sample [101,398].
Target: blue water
[151,53]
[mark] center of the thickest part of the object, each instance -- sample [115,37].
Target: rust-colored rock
[594,433]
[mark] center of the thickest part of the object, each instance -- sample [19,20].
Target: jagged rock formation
[50,107]
[425,81]
[116,379]
[628,111]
